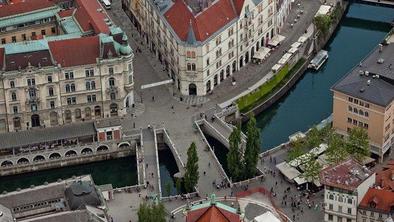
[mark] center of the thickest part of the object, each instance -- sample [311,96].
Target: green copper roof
[70,26]
[212,202]
[28,18]
[62,37]
[28,46]
[115,30]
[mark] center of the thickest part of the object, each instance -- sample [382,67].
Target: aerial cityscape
[196,110]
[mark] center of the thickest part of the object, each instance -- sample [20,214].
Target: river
[310,100]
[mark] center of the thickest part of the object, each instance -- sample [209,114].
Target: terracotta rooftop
[91,16]
[347,175]
[66,13]
[204,24]
[24,7]
[378,199]
[385,177]
[212,214]
[74,52]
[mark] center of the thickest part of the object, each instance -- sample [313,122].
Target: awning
[262,53]
[323,10]
[302,39]
[300,180]
[267,216]
[289,172]
[319,150]
[296,45]
[293,50]
[276,40]
[276,67]
[285,58]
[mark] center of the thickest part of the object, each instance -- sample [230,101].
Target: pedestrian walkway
[150,159]
[140,165]
[194,100]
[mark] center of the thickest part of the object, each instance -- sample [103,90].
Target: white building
[345,185]
[201,43]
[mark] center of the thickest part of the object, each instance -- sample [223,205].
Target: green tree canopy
[312,169]
[296,150]
[336,151]
[313,138]
[358,143]
[234,163]
[322,23]
[191,173]
[151,212]
[251,155]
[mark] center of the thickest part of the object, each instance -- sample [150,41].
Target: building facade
[365,98]
[345,185]
[201,43]
[84,73]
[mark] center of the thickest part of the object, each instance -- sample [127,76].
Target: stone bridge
[64,155]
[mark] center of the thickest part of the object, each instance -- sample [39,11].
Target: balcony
[111,89]
[31,100]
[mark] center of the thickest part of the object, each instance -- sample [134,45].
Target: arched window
[189,67]
[193,67]
[72,87]
[113,96]
[12,84]
[67,115]
[77,113]
[111,81]
[88,113]
[68,88]
[13,96]
[50,91]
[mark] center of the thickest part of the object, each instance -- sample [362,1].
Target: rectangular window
[43,32]
[53,30]
[13,38]
[89,72]
[33,34]
[3,41]
[31,82]
[349,201]
[330,217]
[15,109]
[350,108]
[340,209]
[24,37]
[330,207]
[349,120]
[52,104]
[355,122]
[111,70]
[69,75]
[349,210]
[49,79]
[356,101]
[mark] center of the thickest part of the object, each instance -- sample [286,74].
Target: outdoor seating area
[261,55]
[275,41]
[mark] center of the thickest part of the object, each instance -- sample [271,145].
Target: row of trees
[243,167]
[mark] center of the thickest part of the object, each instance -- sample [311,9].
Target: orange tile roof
[74,52]
[66,13]
[204,24]
[24,7]
[89,18]
[384,177]
[380,200]
[212,214]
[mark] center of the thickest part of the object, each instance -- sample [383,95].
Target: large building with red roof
[345,184]
[203,42]
[80,70]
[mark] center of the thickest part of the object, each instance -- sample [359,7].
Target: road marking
[157,84]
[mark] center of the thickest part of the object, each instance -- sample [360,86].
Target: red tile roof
[212,214]
[1,58]
[24,7]
[22,60]
[378,200]
[89,18]
[206,23]
[238,4]
[347,175]
[66,13]
[384,177]
[74,52]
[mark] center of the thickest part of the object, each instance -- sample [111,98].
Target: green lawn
[256,97]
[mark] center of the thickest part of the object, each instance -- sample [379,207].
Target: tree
[296,150]
[191,172]
[322,23]
[234,163]
[313,138]
[336,151]
[178,185]
[358,143]
[312,169]
[168,188]
[251,155]
[151,212]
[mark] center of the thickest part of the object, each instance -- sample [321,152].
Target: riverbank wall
[261,107]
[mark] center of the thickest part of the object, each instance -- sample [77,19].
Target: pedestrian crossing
[194,100]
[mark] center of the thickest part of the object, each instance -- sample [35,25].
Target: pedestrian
[152,175]
[133,125]
[209,164]
[153,98]
[205,173]
[146,166]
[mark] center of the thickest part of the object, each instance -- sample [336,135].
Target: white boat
[319,60]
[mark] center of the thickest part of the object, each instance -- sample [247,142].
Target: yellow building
[365,98]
